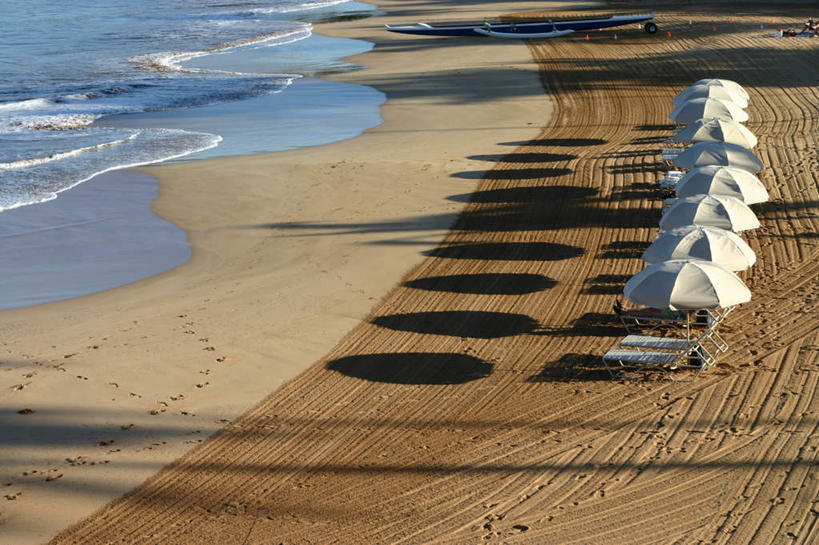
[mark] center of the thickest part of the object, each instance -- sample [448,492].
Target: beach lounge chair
[669,181]
[709,318]
[620,361]
[638,322]
[637,352]
[669,154]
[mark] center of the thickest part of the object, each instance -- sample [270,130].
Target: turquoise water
[73,73]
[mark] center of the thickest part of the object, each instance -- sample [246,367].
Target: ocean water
[88,87]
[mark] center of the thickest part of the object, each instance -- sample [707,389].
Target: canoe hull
[522,35]
[521,27]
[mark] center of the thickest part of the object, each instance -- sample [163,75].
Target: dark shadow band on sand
[484,284]
[564,142]
[521,157]
[413,368]
[508,251]
[529,194]
[512,174]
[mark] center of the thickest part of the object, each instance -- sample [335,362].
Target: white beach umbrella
[717,180]
[699,108]
[722,247]
[710,91]
[686,285]
[709,211]
[734,86]
[720,154]
[716,130]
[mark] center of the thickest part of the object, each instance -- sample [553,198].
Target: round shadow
[485,284]
[460,323]
[413,368]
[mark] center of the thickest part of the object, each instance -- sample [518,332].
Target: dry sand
[470,407]
[125,381]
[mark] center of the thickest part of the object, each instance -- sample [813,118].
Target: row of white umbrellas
[691,261]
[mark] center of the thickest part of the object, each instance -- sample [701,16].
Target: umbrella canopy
[709,211]
[699,108]
[719,154]
[717,180]
[711,91]
[732,85]
[716,130]
[697,242]
[686,285]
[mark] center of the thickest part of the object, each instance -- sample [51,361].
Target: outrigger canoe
[523,35]
[532,28]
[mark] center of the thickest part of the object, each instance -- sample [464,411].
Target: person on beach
[811,27]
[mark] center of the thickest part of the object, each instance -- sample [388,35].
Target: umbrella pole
[688,325]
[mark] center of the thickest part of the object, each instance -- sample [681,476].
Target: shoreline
[279,274]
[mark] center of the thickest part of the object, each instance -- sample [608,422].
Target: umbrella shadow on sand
[413,367]
[485,283]
[460,323]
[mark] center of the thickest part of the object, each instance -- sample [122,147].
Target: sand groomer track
[472,407]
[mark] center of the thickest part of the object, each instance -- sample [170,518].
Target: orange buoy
[669,33]
[715,28]
[587,36]
[731,20]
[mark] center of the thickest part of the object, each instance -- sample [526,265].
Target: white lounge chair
[623,359]
[667,354]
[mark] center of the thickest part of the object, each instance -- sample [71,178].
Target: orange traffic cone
[715,28]
[669,33]
[587,36]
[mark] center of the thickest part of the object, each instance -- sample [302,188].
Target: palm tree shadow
[512,174]
[561,142]
[508,251]
[526,194]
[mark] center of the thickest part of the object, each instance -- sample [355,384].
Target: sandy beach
[125,381]
[409,350]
